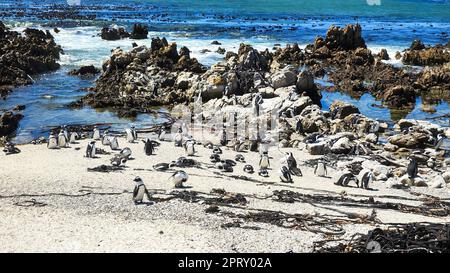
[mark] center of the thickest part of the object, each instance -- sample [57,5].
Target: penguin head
[137,179]
[92,142]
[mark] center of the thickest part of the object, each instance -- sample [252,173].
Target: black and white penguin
[345,178]
[217,150]
[299,127]
[178,178]
[208,145]
[224,166]
[439,142]
[366,178]
[285,175]
[264,161]
[52,142]
[249,169]
[148,147]
[10,148]
[321,169]
[223,137]
[292,165]
[62,140]
[118,160]
[131,134]
[113,143]
[263,173]
[190,148]
[106,138]
[139,191]
[214,158]
[412,168]
[74,137]
[90,150]
[161,166]
[96,133]
[257,101]
[161,134]
[178,138]
[239,158]
[65,131]
[126,153]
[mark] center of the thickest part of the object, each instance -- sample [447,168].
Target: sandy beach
[106,220]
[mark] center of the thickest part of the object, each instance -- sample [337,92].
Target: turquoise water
[390,24]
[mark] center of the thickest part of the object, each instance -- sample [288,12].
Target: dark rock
[429,56]
[139,32]
[417,45]
[9,123]
[89,70]
[215,43]
[399,96]
[19,107]
[221,50]
[347,38]
[340,109]
[112,34]
[383,55]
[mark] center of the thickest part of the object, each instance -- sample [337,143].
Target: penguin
[178,178]
[239,158]
[214,158]
[253,145]
[118,160]
[126,153]
[90,150]
[223,138]
[439,142]
[257,101]
[224,166]
[162,134]
[66,132]
[263,173]
[74,137]
[431,162]
[239,145]
[217,150]
[321,169]
[178,138]
[190,148]
[139,191]
[366,178]
[114,143]
[96,135]
[412,168]
[285,175]
[345,178]
[292,165]
[248,169]
[299,127]
[106,139]
[208,145]
[10,149]
[161,167]
[62,140]
[264,162]
[131,134]
[52,142]
[148,147]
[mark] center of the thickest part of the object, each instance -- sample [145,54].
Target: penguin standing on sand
[148,147]
[178,178]
[190,148]
[285,175]
[66,132]
[131,134]
[366,178]
[62,140]
[292,165]
[139,191]
[345,178]
[264,162]
[90,150]
[96,135]
[223,137]
[74,137]
[321,169]
[299,127]
[106,138]
[412,168]
[52,142]
[178,138]
[161,134]
[239,158]
[113,143]
[257,101]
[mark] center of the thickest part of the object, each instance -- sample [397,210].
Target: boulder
[347,38]
[417,137]
[438,182]
[342,146]
[399,96]
[383,55]
[320,148]
[437,55]
[283,78]
[139,31]
[340,109]
[113,33]
[89,70]
[9,123]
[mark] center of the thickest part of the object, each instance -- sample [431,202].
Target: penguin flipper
[315,169]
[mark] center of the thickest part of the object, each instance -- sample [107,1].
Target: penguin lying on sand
[285,175]
[345,178]
[10,149]
[248,169]
[179,178]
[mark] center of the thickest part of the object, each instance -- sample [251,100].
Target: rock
[383,55]
[89,70]
[417,45]
[393,183]
[436,55]
[405,180]
[9,123]
[284,78]
[390,147]
[19,107]
[438,182]
[340,109]
[320,148]
[113,33]
[399,96]
[221,50]
[371,138]
[305,81]
[419,182]
[139,31]
[314,120]
[215,43]
[342,146]
[417,137]
[347,38]
[446,177]
[398,55]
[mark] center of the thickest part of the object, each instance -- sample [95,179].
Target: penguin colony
[288,171]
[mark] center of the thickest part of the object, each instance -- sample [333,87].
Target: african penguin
[264,162]
[131,134]
[190,148]
[148,147]
[439,142]
[52,142]
[96,134]
[292,165]
[178,138]
[366,178]
[321,169]
[74,137]
[62,140]
[248,169]
[118,160]
[161,134]
[139,191]
[345,178]
[10,149]
[178,178]
[239,158]
[263,173]
[214,158]
[126,153]
[90,150]
[285,175]
[412,168]
[161,166]
[106,138]
[114,143]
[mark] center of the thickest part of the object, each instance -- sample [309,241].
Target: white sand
[112,223]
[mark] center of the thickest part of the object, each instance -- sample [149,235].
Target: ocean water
[390,24]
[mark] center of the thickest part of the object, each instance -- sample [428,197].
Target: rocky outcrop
[22,56]
[347,38]
[139,32]
[436,55]
[85,71]
[114,33]
[9,123]
[340,109]
[399,96]
[414,137]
